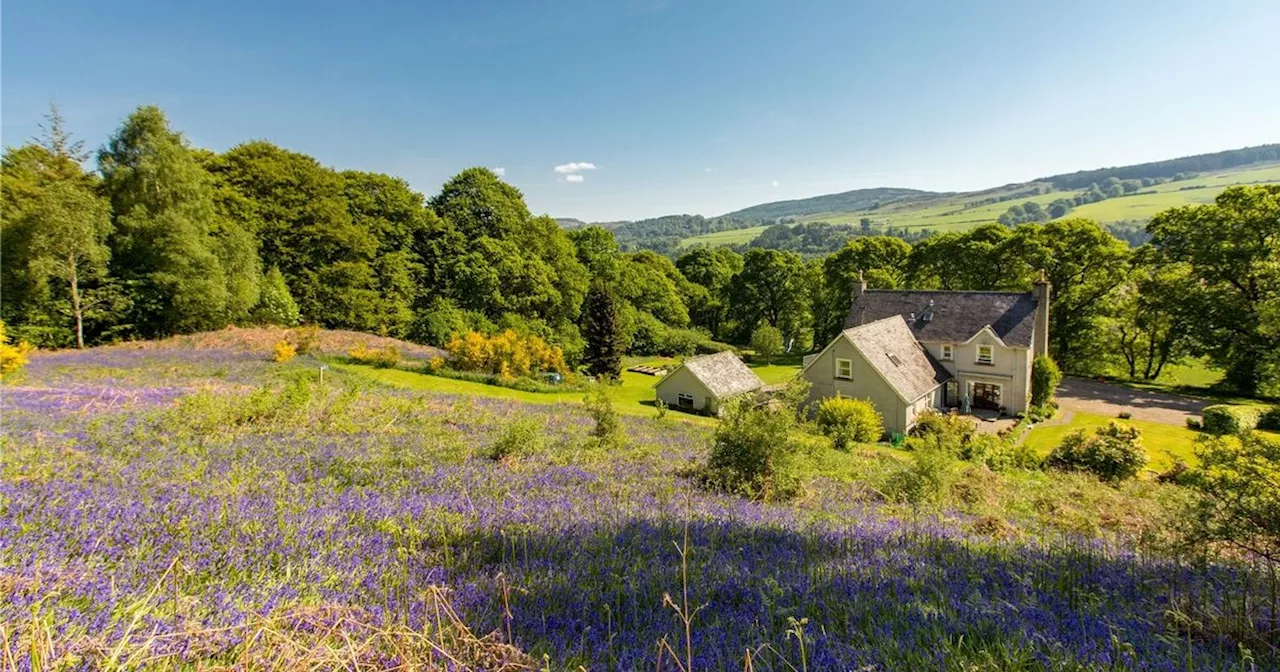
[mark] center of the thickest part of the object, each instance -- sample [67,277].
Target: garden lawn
[1164,443]
[634,396]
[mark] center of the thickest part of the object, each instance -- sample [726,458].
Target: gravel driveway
[1090,396]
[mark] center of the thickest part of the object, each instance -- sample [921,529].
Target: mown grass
[1164,443]
[633,395]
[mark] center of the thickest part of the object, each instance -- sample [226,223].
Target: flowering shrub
[849,421]
[381,357]
[508,354]
[1112,453]
[283,352]
[305,338]
[12,356]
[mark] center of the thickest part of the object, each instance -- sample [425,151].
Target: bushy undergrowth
[753,451]
[438,367]
[1112,453]
[521,436]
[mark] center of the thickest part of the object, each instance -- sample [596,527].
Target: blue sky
[681,107]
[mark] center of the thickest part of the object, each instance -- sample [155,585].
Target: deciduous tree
[1233,249]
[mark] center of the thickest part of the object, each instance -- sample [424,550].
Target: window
[947,353]
[986,354]
[844,369]
[684,400]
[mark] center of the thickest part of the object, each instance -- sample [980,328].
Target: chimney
[859,288]
[1040,337]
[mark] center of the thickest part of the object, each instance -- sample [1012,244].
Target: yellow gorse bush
[385,357]
[283,351]
[508,354]
[12,356]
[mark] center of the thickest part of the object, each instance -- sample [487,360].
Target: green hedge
[1227,419]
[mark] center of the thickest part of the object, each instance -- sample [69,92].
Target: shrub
[682,342]
[1112,453]
[710,347]
[649,335]
[276,304]
[1194,423]
[439,322]
[508,354]
[752,451]
[608,428]
[1045,377]
[13,356]
[1042,412]
[306,339]
[926,478]
[1270,419]
[519,437]
[766,340]
[380,357]
[522,384]
[1227,419]
[1237,498]
[50,338]
[1124,415]
[283,351]
[849,421]
[950,429]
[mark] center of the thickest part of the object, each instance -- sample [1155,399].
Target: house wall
[866,384]
[1011,369]
[682,381]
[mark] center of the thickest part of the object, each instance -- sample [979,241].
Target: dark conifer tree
[602,331]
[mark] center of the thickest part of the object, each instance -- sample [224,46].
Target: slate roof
[956,316]
[724,374]
[888,346]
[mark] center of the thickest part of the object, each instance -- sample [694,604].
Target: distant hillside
[570,223]
[1200,163]
[858,199]
[1124,196]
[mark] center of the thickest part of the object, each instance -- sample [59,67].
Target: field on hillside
[192,505]
[954,212]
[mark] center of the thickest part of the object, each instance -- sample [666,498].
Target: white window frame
[990,358]
[845,364]
[680,399]
[948,352]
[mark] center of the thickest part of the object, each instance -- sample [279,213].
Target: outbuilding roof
[723,374]
[953,317]
[890,349]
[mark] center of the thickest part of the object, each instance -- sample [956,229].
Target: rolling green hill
[848,201]
[960,211]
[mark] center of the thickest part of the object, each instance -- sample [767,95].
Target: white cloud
[574,178]
[775,183]
[573,167]
[709,170]
[499,171]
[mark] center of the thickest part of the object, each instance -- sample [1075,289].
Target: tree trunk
[75,302]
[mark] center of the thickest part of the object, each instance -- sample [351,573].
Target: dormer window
[948,353]
[986,355]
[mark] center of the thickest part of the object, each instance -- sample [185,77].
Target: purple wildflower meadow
[369,497]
